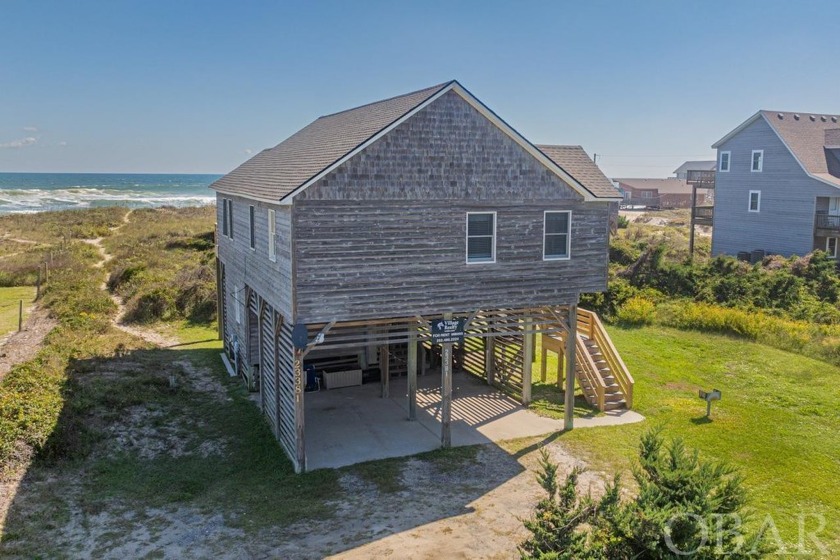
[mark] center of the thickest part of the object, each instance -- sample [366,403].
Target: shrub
[636,311]
[681,500]
[623,222]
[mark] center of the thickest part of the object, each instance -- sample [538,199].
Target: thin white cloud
[19,143]
[248,151]
[30,129]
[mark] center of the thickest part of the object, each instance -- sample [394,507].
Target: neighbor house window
[755,201]
[757,160]
[556,237]
[831,247]
[481,237]
[252,228]
[724,161]
[272,247]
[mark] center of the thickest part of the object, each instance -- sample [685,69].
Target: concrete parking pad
[353,424]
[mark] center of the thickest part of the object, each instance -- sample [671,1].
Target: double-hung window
[755,201]
[272,247]
[757,161]
[556,235]
[481,237]
[252,227]
[725,158]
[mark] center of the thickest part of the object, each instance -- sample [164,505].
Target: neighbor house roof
[696,166]
[805,135]
[278,173]
[664,186]
[578,164]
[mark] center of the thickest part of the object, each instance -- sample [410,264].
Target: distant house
[656,193]
[681,172]
[778,185]
[343,246]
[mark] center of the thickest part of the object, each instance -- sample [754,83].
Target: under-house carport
[425,395]
[355,424]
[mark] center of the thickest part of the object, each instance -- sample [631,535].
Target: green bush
[685,506]
[636,311]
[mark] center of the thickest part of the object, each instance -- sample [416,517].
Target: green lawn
[9,302]
[778,419]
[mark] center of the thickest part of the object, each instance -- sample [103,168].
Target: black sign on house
[448,330]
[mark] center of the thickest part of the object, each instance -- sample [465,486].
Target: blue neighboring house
[777,186]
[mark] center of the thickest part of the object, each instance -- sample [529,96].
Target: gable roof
[696,166]
[578,164]
[670,185]
[277,174]
[804,135]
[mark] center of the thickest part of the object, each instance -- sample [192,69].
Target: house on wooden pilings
[358,230]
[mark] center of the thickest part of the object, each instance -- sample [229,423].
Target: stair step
[614,405]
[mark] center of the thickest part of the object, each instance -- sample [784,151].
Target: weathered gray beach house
[340,246]
[777,185]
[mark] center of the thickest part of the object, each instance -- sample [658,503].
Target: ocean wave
[18,200]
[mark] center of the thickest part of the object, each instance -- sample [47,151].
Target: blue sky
[196,86]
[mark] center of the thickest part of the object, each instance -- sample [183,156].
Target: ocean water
[40,192]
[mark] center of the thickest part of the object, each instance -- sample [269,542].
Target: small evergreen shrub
[685,507]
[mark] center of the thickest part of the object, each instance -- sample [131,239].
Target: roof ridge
[436,89]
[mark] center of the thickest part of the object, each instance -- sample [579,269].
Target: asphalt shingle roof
[277,171]
[805,135]
[574,161]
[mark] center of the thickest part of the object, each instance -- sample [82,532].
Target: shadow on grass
[144,432]
[700,420]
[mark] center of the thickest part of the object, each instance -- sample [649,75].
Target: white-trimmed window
[757,161]
[725,160]
[755,201]
[831,247]
[557,227]
[252,227]
[272,241]
[481,237]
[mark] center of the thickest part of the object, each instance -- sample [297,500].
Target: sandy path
[148,335]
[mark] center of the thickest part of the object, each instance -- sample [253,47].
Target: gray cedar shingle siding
[383,235]
[244,266]
[785,224]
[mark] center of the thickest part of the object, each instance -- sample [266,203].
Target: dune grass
[777,420]
[10,299]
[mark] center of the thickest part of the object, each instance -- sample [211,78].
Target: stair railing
[596,331]
[587,368]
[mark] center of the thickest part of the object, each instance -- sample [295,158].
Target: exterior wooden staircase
[600,371]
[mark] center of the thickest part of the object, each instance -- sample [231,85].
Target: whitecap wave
[17,200]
